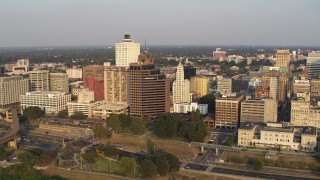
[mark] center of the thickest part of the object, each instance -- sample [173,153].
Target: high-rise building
[96,84]
[283,58]
[181,87]
[278,82]
[304,114]
[199,85]
[224,85]
[315,88]
[301,86]
[59,82]
[219,55]
[259,110]
[313,64]
[149,89]
[10,90]
[85,96]
[21,67]
[228,111]
[74,73]
[92,70]
[127,51]
[116,84]
[48,101]
[39,80]
[189,71]
[240,82]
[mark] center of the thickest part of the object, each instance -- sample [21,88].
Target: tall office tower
[313,64]
[74,73]
[39,80]
[10,90]
[59,82]
[181,87]
[189,71]
[224,85]
[96,84]
[274,87]
[199,85]
[127,51]
[315,88]
[259,110]
[149,89]
[92,70]
[278,81]
[228,111]
[116,83]
[283,58]
[240,82]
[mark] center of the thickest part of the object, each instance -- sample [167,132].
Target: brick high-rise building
[228,111]
[96,84]
[149,89]
[92,70]
[315,88]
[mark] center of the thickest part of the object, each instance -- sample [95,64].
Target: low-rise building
[50,102]
[190,107]
[85,108]
[277,135]
[105,110]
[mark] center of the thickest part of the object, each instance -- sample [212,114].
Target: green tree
[27,158]
[125,121]
[173,162]
[229,142]
[110,151]
[101,132]
[90,155]
[210,100]
[162,164]
[114,122]
[128,166]
[256,163]
[62,114]
[137,126]
[166,126]
[78,116]
[148,169]
[33,112]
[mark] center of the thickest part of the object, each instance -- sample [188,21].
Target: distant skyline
[160,22]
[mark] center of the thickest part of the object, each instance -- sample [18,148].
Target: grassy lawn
[77,175]
[105,165]
[294,162]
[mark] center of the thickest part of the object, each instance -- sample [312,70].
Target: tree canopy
[175,126]
[126,124]
[210,100]
[101,132]
[78,116]
[33,112]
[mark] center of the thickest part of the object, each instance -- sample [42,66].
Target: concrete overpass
[10,137]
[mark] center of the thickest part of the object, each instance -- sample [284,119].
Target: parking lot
[219,137]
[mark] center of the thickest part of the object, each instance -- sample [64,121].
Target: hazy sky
[161,22]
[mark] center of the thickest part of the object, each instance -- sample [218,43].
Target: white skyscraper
[127,51]
[181,87]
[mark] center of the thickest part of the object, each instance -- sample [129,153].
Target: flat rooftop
[309,130]
[112,106]
[248,126]
[275,129]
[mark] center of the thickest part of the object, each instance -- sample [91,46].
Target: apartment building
[49,101]
[11,88]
